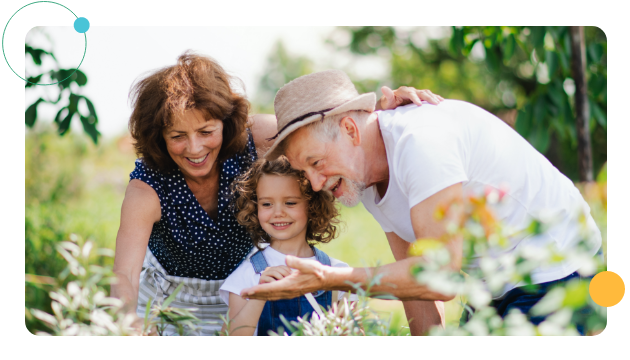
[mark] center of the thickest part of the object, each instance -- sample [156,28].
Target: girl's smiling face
[282,210]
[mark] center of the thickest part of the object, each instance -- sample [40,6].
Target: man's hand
[274,273]
[405,95]
[308,276]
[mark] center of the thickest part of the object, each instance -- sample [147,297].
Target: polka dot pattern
[186,241]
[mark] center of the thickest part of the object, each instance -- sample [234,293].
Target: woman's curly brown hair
[195,82]
[323,214]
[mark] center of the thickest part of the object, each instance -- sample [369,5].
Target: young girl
[278,207]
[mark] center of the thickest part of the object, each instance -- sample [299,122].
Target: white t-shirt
[433,147]
[244,276]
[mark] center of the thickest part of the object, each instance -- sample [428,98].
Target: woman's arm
[140,210]
[244,315]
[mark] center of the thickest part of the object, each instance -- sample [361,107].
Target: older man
[403,163]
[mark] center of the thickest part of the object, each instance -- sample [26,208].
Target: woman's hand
[274,273]
[405,95]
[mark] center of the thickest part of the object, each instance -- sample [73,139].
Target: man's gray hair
[327,130]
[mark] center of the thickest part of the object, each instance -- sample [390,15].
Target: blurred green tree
[281,67]
[65,78]
[521,73]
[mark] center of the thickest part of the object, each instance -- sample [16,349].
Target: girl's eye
[266,204]
[290,203]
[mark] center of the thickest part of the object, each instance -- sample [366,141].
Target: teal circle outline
[5,56]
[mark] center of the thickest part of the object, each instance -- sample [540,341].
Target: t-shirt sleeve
[428,160]
[243,277]
[341,264]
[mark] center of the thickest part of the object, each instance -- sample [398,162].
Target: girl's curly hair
[323,214]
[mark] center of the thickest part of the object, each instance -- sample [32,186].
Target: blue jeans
[523,300]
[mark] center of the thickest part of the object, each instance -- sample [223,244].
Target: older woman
[194,135]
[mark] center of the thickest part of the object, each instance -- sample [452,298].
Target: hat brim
[365,102]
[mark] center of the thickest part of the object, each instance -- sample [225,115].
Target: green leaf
[492,60]
[91,108]
[537,34]
[33,80]
[603,174]
[540,109]
[551,302]
[81,78]
[552,61]
[576,294]
[509,45]
[31,113]
[556,93]
[598,113]
[58,116]
[64,125]
[171,297]
[90,128]
[523,120]
[594,53]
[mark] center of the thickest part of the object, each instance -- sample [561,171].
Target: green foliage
[281,68]
[65,78]
[504,69]
[80,304]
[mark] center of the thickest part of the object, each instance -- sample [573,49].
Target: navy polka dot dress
[186,241]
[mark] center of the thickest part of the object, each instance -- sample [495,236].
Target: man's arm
[422,315]
[396,280]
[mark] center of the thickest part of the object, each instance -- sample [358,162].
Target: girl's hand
[274,273]
[405,95]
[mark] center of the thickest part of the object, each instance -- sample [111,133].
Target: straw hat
[314,97]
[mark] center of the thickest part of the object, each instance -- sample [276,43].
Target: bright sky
[242,51]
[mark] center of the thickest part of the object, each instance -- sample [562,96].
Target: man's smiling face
[336,166]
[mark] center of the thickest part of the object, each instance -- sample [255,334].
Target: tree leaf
[91,108]
[90,128]
[492,60]
[508,47]
[598,113]
[33,80]
[594,53]
[31,113]
[64,125]
[81,78]
[523,120]
[551,58]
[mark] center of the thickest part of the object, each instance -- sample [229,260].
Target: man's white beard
[353,190]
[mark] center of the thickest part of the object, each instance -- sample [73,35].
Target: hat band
[300,118]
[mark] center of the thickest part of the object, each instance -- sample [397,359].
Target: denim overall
[290,309]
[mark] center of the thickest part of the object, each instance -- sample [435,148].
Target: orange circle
[606,289]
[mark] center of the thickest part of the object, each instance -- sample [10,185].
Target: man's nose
[317,180]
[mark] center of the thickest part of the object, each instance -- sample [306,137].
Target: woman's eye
[316,163]
[176,137]
[207,132]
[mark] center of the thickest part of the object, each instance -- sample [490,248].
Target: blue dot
[81,25]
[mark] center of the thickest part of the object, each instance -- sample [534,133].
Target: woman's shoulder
[151,177]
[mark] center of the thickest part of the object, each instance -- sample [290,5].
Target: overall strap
[321,256]
[259,262]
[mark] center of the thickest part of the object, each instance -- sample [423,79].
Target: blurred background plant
[76,183]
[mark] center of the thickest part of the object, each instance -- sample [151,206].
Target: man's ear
[349,128]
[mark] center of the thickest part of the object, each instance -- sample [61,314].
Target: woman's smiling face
[282,210]
[194,142]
